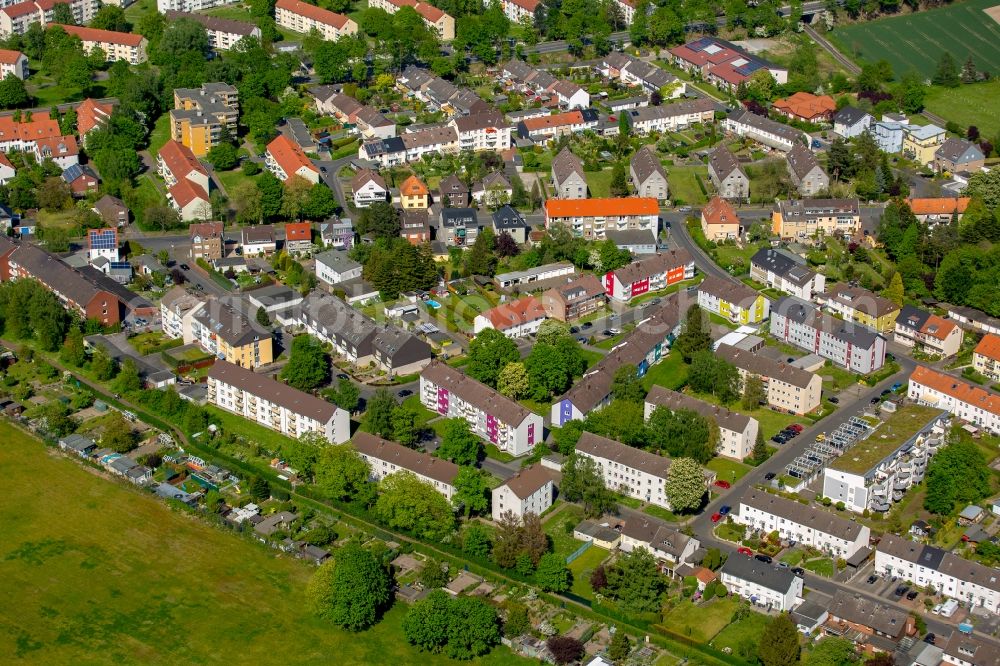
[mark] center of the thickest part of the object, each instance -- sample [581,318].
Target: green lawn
[968,105]
[493,452]
[916,41]
[147,195]
[684,185]
[743,636]
[48,93]
[238,425]
[230,179]
[728,470]
[592,357]
[423,414]
[160,134]
[771,422]
[563,543]
[599,183]
[582,567]
[700,622]
[670,372]
[62,219]
[792,558]
[660,512]
[822,566]
[99,573]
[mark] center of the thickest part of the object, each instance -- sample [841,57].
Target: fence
[579,551]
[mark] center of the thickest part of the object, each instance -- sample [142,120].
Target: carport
[858,559]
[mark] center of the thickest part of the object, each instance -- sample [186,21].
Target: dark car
[779,439]
[769,476]
[885,393]
[573,330]
[872,579]
[766,559]
[607,332]
[582,340]
[185,267]
[911,595]
[342,376]
[930,638]
[405,392]
[586,324]
[835,400]
[799,571]
[874,401]
[901,590]
[725,510]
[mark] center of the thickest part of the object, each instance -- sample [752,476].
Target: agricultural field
[916,41]
[98,573]
[966,105]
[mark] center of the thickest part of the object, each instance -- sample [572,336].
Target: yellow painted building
[733,300]
[201,114]
[920,142]
[863,307]
[413,194]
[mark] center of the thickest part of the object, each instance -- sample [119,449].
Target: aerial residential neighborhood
[410,331]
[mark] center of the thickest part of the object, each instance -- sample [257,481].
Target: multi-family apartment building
[531,490]
[861,306]
[207,241]
[719,221]
[590,218]
[13,63]
[648,176]
[801,219]
[385,458]
[177,310]
[519,11]
[458,227]
[986,357]
[515,319]
[24,135]
[286,159]
[274,405]
[568,177]
[737,432]
[188,183]
[229,334]
[494,417]
[671,117]
[921,142]
[438,21]
[223,34]
[763,130]
[429,140]
[116,45]
[625,469]
[733,300]
[928,333]
[486,130]
[789,388]
[784,271]
[723,63]
[201,114]
[17,17]
[649,274]
[889,132]
[577,298]
[765,584]
[807,175]
[164,6]
[302,17]
[729,178]
[543,129]
[667,544]
[804,523]
[878,470]
[851,346]
[368,187]
[965,400]
[971,583]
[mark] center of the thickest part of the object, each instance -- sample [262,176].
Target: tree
[635,582]
[346,395]
[599,578]
[754,393]
[102,365]
[258,488]
[378,416]
[619,180]
[985,186]
[117,434]
[957,475]
[518,536]
[262,317]
[459,444]
[683,433]
[620,648]
[320,203]
[404,427]
[462,627]
[471,490]
[13,93]
[271,191]
[381,220]
[695,336]
[583,482]
[685,485]
[476,541]
[552,574]
[433,574]
[353,590]
[406,502]
[506,246]
[516,622]
[222,156]
[760,452]
[489,352]
[714,375]
[481,259]
[426,623]
[513,381]
[128,379]
[62,14]
[73,352]
[832,651]
[308,365]
[969,73]
[946,73]
[779,644]
[565,649]
[111,17]
[625,384]
[341,473]
[713,559]
[894,292]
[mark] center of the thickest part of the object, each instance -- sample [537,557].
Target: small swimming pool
[432,303]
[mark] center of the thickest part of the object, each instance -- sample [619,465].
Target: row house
[223,330]
[442,24]
[515,319]
[799,323]
[23,135]
[671,547]
[285,159]
[787,272]
[274,405]
[648,175]
[804,523]
[370,122]
[719,221]
[590,218]
[483,131]
[967,650]
[737,432]
[368,187]
[201,115]
[723,63]
[223,34]
[970,583]
[878,470]
[430,140]
[164,6]
[544,129]
[728,177]
[762,583]
[763,130]
[17,17]
[385,458]
[569,181]
[491,416]
[928,333]
[627,470]
[733,300]
[13,63]
[62,150]
[116,46]
[532,275]
[187,180]
[802,219]
[643,347]
[807,175]
[671,117]
[539,82]
[439,94]
[531,490]
[634,72]
[863,307]
[972,319]
[938,210]
[653,273]
[789,389]
[91,115]
[577,298]
[872,625]
[302,17]
[961,398]
[986,357]
[387,152]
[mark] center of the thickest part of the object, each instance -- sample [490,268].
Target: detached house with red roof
[963,399]
[298,237]
[650,274]
[60,149]
[515,319]
[719,221]
[285,158]
[91,115]
[927,332]
[807,107]
[302,17]
[13,62]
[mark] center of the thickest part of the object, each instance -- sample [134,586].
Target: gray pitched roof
[729,290]
[645,163]
[337,260]
[863,300]
[763,124]
[565,164]
[629,456]
[801,161]
[230,324]
[723,162]
[763,366]
[751,569]
[959,150]
[939,560]
[849,116]
[273,391]
[674,401]
[863,611]
[475,393]
[783,264]
[657,534]
[407,458]
[802,514]
[806,313]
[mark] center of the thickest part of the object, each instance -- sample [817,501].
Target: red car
[716,517]
[796,427]
[744,551]
[723,484]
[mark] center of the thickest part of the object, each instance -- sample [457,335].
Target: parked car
[573,330]
[342,376]
[799,571]
[783,565]
[185,267]
[896,386]
[405,392]
[615,331]
[901,590]
[911,595]
[586,325]
[885,393]
[725,509]
[779,439]
[582,340]
[744,551]
[872,579]
[760,557]
[796,427]
[716,517]
[607,333]
[723,484]
[769,476]
[834,400]
[930,638]
[874,401]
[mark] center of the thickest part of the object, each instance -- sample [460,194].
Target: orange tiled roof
[295,231]
[957,388]
[5,162]
[938,205]
[938,327]
[8,57]
[90,114]
[557,120]
[719,211]
[989,346]
[601,207]
[289,156]
[806,105]
[58,146]
[180,160]
[97,35]
[313,12]
[517,312]
[413,187]
[39,127]
[184,192]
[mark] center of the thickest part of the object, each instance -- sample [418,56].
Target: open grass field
[700,622]
[975,104]
[599,182]
[559,527]
[98,574]
[683,183]
[743,634]
[916,41]
[582,567]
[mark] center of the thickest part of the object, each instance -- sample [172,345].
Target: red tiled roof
[97,35]
[21,9]
[601,207]
[989,346]
[806,105]
[956,388]
[289,155]
[527,5]
[515,313]
[8,57]
[557,120]
[184,192]
[90,114]
[58,146]
[180,160]
[938,205]
[39,127]
[295,231]
[719,211]
[413,187]
[5,162]
[313,12]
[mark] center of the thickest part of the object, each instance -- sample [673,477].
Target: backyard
[700,622]
[123,576]
[559,527]
[684,187]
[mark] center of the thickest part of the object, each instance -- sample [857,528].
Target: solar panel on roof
[120,265]
[104,240]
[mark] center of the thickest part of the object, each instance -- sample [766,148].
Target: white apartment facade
[850,346]
[968,402]
[385,458]
[789,389]
[529,491]
[737,433]
[628,470]
[177,311]
[302,17]
[767,585]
